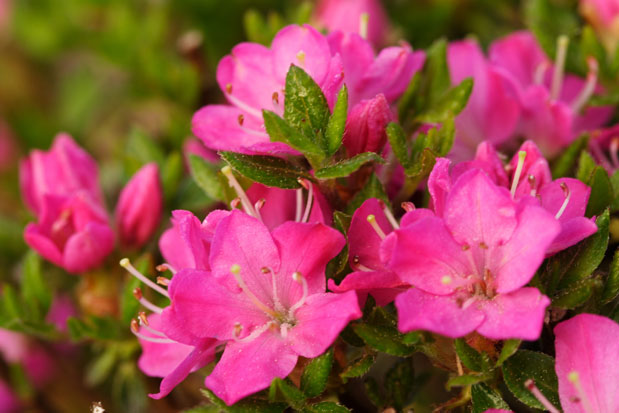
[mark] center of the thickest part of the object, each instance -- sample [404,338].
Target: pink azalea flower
[72,232]
[489,248]
[587,355]
[493,110]
[16,348]
[370,273]
[604,17]
[139,207]
[9,402]
[552,102]
[265,298]
[365,126]
[565,198]
[253,78]
[364,17]
[604,145]
[63,170]
[8,146]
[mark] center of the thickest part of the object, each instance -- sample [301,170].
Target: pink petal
[246,368]
[572,232]
[365,125]
[519,314]
[553,196]
[320,320]
[588,344]
[439,185]
[490,213]
[384,286]
[418,310]
[520,54]
[306,248]
[244,241]
[87,249]
[42,244]
[364,241]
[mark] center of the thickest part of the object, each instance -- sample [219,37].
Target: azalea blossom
[264,297]
[604,17]
[469,261]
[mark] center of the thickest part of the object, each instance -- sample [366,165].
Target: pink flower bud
[63,170]
[348,16]
[72,232]
[365,126]
[139,207]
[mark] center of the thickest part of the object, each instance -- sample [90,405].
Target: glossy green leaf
[611,286]
[205,175]
[267,170]
[325,407]
[372,189]
[248,405]
[575,295]
[540,368]
[383,338]
[466,380]
[291,394]
[601,192]
[449,105]
[509,349]
[566,162]
[359,367]
[348,166]
[280,130]
[484,398]
[586,166]
[337,122]
[398,142]
[471,359]
[36,293]
[399,382]
[316,374]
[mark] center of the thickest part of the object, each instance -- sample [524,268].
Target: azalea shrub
[344,205]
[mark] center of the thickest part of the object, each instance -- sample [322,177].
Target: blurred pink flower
[8,147]
[604,17]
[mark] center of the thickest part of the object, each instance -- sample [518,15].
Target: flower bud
[365,126]
[139,207]
[63,170]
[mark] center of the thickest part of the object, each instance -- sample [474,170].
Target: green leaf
[383,338]
[611,287]
[471,359]
[399,382]
[102,366]
[601,192]
[575,295]
[372,189]
[171,174]
[143,149]
[326,407]
[407,100]
[348,166]
[36,293]
[316,374]
[280,130]
[614,182]
[509,348]
[485,398]
[306,107]
[293,395]
[373,392]
[540,368]
[466,380]
[358,368]
[565,163]
[449,105]
[398,142]
[337,122]
[205,175]
[577,262]
[436,70]
[248,405]
[267,170]
[93,327]
[586,166]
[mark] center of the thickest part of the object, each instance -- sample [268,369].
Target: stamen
[241,118]
[390,217]
[229,88]
[614,147]
[299,209]
[574,378]
[247,206]
[163,281]
[144,323]
[557,77]
[135,330]
[235,270]
[301,57]
[408,206]
[364,22]
[531,180]
[258,206]
[540,71]
[372,221]
[530,384]
[568,195]
[275,98]
[125,263]
[238,329]
[298,277]
[137,293]
[521,157]
[276,303]
[304,183]
[589,88]
[446,280]
[165,267]
[357,264]
[235,203]
[597,151]
[254,334]
[308,204]
[283,329]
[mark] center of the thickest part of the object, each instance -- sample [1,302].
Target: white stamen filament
[235,270]
[254,334]
[364,22]
[362,267]
[166,267]
[247,206]
[568,195]
[372,221]
[557,77]
[574,378]
[152,330]
[137,293]
[163,281]
[390,217]
[597,151]
[152,339]
[276,303]
[530,384]
[258,206]
[283,329]
[125,263]
[540,71]
[308,204]
[521,157]
[298,277]
[299,208]
[614,147]
[589,88]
